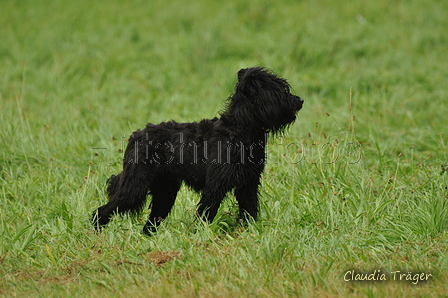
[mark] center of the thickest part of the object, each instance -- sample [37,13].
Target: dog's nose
[299,103]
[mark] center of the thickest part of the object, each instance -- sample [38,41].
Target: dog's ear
[248,82]
[241,73]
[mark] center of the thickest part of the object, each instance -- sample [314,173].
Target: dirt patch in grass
[160,258]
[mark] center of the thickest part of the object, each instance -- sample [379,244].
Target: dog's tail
[112,184]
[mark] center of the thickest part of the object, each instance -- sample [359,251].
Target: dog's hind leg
[210,201]
[163,192]
[128,190]
[127,193]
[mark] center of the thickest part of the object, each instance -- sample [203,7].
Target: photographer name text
[381,276]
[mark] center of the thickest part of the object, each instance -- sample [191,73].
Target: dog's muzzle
[299,101]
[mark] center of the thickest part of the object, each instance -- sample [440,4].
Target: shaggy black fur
[213,156]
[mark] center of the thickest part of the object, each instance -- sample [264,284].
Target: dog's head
[263,100]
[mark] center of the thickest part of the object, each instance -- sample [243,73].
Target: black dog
[213,156]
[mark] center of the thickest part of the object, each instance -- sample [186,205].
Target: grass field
[357,184]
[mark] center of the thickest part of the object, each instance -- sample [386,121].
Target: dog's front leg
[163,192]
[247,197]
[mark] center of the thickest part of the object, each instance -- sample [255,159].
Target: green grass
[359,182]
